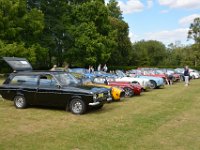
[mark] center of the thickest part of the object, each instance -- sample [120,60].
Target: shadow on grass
[106,108]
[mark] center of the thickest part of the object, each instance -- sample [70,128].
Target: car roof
[37,72]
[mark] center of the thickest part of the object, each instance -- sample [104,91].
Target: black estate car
[50,88]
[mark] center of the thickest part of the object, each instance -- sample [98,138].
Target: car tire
[20,102]
[77,106]
[128,92]
[153,84]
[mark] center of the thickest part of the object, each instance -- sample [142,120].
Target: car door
[49,93]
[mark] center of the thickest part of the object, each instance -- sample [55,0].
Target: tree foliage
[20,29]
[81,33]
[123,44]
[148,53]
[91,32]
[194,33]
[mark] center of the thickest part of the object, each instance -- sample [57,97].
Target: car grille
[104,97]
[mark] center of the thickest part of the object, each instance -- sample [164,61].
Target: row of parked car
[77,90]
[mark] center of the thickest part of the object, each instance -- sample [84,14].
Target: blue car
[82,71]
[156,82]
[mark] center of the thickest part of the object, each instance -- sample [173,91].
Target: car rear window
[24,80]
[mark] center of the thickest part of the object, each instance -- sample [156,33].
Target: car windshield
[159,72]
[66,79]
[120,73]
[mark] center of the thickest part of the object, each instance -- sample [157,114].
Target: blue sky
[167,21]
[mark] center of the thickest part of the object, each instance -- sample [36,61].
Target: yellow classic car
[116,92]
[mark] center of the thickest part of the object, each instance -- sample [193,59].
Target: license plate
[101,95]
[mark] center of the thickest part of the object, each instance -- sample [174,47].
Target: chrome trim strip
[93,104]
[109,99]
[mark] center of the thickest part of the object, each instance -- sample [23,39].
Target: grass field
[162,119]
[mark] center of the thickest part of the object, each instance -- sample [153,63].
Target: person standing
[66,68]
[105,68]
[99,67]
[91,69]
[53,68]
[186,75]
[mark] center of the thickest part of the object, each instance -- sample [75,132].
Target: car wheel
[193,77]
[128,92]
[153,84]
[77,106]
[20,102]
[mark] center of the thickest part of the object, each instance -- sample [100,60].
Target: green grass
[162,119]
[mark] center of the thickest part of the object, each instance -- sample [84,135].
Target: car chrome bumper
[94,104]
[109,99]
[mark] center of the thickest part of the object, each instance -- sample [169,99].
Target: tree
[20,30]
[55,36]
[194,31]
[121,53]
[149,53]
[19,24]
[90,29]
[17,50]
[114,10]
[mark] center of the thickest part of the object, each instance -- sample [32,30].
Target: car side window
[24,80]
[47,81]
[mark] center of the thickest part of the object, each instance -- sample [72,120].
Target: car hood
[90,89]
[131,79]
[150,77]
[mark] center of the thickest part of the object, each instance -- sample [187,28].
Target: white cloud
[186,21]
[149,3]
[164,11]
[187,4]
[133,37]
[166,36]
[131,6]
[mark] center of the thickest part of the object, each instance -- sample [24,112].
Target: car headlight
[109,94]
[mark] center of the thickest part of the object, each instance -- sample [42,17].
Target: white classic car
[194,73]
[145,83]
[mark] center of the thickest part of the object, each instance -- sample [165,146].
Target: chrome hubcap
[19,101]
[152,86]
[77,107]
[127,92]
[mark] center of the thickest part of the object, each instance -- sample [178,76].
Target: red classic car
[136,88]
[129,88]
